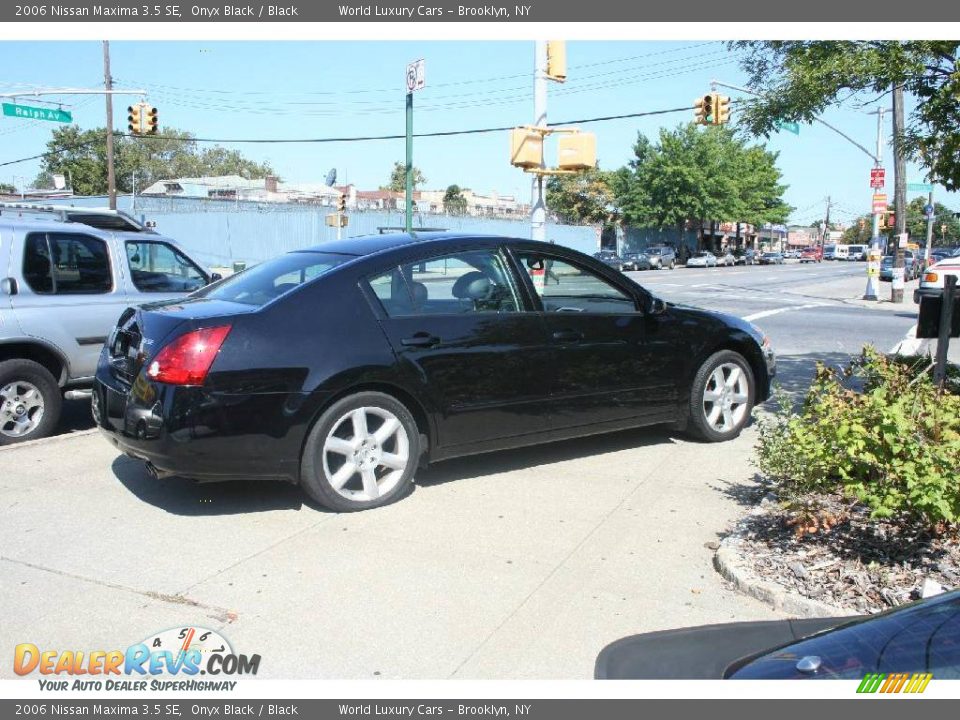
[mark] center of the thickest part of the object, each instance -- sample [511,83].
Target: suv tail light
[931,277]
[187,359]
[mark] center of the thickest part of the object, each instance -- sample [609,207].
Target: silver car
[66,274]
[702,259]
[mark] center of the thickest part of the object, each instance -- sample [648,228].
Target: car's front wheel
[30,401]
[361,453]
[721,397]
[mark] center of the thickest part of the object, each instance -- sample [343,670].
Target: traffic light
[134,120]
[721,104]
[703,110]
[151,120]
[557,60]
[342,203]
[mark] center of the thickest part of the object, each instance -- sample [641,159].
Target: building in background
[237,188]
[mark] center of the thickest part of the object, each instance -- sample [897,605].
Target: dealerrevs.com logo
[174,659]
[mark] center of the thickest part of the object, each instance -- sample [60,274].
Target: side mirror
[656,306]
[215,276]
[8,286]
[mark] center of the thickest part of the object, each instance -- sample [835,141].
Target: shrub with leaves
[880,432]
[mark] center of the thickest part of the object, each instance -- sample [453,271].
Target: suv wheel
[673,264]
[721,397]
[361,453]
[30,401]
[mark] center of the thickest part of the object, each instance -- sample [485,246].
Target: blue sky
[335,89]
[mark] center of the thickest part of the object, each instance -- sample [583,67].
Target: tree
[454,202]
[7,189]
[172,154]
[694,174]
[798,80]
[581,199]
[398,178]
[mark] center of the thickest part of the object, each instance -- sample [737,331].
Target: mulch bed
[827,549]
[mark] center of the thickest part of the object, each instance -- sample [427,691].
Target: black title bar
[529,11]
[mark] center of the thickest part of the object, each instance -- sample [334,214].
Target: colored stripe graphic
[894,683]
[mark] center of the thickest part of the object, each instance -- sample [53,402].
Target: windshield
[273,278]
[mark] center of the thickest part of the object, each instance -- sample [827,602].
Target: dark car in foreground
[345,366]
[923,637]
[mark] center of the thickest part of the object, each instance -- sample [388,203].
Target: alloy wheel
[726,397]
[21,408]
[365,453]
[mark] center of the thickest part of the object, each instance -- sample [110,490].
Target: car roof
[370,244]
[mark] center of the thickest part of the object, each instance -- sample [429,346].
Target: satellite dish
[331,177]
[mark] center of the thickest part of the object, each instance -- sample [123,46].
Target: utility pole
[108,85]
[929,227]
[873,259]
[408,211]
[826,223]
[899,193]
[538,200]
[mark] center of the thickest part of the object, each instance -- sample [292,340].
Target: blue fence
[221,232]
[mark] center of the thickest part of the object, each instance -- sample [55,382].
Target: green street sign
[919,187]
[788,126]
[28,112]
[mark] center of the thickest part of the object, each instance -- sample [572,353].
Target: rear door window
[269,280]
[159,267]
[66,264]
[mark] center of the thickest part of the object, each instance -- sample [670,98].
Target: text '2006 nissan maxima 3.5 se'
[345,366]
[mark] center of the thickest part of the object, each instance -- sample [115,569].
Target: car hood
[720,318]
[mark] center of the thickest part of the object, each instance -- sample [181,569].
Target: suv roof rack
[101,218]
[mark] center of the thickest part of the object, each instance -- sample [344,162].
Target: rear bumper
[194,433]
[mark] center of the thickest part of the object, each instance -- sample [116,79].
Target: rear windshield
[273,278]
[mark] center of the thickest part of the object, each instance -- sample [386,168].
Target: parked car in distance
[921,637]
[458,345]
[66,274]
[811,254]
[747,257]
[661,256]
[791,255]
[702,259]
[857,253]
[932,278]
[727,259]
[635,261]
[835,252]
[911,266]
[771,258]
[609,258]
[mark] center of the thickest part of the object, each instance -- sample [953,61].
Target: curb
[728,563]
[48,440]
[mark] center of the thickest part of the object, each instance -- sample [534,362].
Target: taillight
[187,359]
[931,277]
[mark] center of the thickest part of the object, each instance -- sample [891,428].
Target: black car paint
[494,381]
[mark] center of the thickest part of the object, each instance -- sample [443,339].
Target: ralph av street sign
[27,112]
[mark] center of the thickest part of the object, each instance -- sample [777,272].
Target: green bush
[893,444]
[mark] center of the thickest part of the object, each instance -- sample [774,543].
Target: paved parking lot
[517,565]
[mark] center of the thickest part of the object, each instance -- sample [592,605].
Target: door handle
[421,339]
[568,336]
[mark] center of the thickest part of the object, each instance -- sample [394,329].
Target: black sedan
[635,261]
[345,366]
[923,637]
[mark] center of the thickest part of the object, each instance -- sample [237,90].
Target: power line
[445,133]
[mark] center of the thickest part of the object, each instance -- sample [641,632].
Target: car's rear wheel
[361,453]
[721,397]
[30,401]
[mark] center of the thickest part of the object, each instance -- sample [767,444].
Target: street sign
[28,112]
[879,203]
[877,177]
[919,187]
[416,77]
[928,210]
[790,127]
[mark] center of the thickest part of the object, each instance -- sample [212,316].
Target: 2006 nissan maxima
[345,366]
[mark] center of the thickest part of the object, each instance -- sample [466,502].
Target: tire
[673,264]
[30,401]
[737,414]
[333,445]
